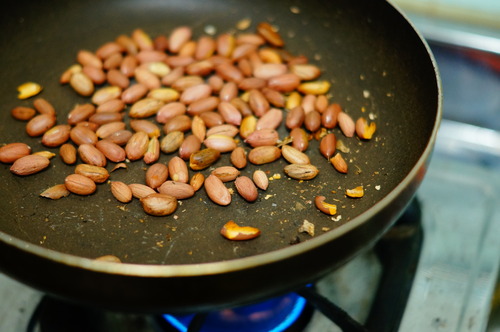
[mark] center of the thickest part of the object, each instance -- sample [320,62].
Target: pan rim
[228,266]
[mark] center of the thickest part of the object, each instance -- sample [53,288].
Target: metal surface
[456,276]
[463,23]
[375,61]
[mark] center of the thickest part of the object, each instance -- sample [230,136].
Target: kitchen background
[465,38]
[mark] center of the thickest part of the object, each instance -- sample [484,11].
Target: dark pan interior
[374,60]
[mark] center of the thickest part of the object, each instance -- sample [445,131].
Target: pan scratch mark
[101,214]
[22,229]
[168,252]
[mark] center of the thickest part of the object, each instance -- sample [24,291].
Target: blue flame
[275,315]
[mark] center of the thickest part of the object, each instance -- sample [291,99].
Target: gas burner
[397,252]
[288,313]
[54,315]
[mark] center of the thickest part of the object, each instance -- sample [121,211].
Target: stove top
[456,273]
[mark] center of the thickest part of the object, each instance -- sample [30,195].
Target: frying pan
[379,67]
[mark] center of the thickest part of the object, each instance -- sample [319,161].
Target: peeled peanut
[38,125]
[29,164]
[156,175]
[233,231]
[217,191]
[79,184]
[246,188]
[159,204]
[11,152]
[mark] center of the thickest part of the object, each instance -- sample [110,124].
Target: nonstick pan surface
[379,67]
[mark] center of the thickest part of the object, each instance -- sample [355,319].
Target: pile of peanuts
[197,98]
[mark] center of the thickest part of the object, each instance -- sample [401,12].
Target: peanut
[301,172]
[264,154]
[232,231]
[217,191]
[246,188]
[23,113]
[260,179]
[159,204]
[68,153]
[29,164]
[80,185]
[28,89]
[89,154]
[95,173]
[179,190]
[55,192]
[328,145]
[156,175]
[11,152]
[140,190]
[203,159]
[38,125]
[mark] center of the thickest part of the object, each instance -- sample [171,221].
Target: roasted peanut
[179,190]
[9,153]
[301,172]
[159,204]
[203,159]
[217,191]
[55,192]
[246,188]
[79,184]
[328,145]
[29,164]
[232,231]
[95,173]
[327,208]
[156,175]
